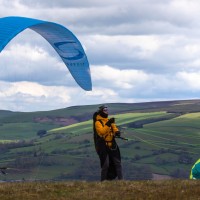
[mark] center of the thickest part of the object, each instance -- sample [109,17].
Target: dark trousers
[110,164]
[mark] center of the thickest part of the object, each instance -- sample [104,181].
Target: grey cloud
[70,4]
[113,17]
[42,73]
[132,18]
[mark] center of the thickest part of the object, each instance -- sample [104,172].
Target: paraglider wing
[61,39]
[195,171]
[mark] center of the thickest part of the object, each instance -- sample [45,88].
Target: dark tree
[41,132]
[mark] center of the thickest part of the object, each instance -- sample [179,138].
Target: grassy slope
[165,190]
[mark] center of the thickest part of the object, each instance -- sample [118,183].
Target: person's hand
[110,121]
[117,133]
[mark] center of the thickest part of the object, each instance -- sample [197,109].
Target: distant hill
[55,145]
[82,113]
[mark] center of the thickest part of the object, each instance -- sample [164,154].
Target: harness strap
[106,134]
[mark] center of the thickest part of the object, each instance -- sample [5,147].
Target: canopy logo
[63,46]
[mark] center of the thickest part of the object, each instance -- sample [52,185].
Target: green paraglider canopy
[195,171]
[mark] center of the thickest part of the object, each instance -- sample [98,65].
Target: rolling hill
[163,141]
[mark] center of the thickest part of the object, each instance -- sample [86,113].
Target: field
[163,141]
[165,190]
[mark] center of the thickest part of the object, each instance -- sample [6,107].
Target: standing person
[107,149]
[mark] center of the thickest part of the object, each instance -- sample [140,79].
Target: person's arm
[114,128]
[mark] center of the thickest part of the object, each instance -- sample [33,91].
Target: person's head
[103,111]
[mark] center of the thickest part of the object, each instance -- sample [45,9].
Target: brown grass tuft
[122,190]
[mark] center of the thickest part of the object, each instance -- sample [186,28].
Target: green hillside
[163,139]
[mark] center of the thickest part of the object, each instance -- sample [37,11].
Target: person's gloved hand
[118,134]
[110,121]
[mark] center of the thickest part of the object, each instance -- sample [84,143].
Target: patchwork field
[163,141]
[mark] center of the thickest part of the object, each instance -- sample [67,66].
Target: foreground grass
[123,190]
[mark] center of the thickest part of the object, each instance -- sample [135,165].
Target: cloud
[191,80]
[26,62]
[152,53]
[125,86]
[29,96]
[132,85]
[113,17]
[116,78]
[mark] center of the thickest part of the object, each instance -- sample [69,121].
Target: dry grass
[123,190]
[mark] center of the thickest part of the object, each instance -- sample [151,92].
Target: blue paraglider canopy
[61,39]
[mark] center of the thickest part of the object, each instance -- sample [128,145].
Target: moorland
[163,142]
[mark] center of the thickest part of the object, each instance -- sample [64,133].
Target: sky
[138,50]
